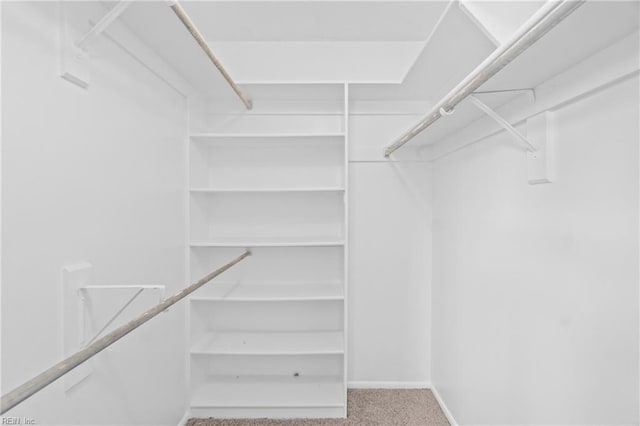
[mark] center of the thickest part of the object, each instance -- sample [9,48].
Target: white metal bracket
[530,91]
[76,306]
[540,158]
[502,122]
[82,292]
[74,62]
[73,278]
[74,58]
[103,23]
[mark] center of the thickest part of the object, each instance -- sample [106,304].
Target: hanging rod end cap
[443,111]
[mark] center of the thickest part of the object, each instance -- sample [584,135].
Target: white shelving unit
[268,339]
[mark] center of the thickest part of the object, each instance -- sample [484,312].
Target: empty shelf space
[271,162]
[233,292]
[283,316]
[265,190]
[270,242]
[270,343]
[267,216]
[269,391]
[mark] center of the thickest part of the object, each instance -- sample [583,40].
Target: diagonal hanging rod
[548,16]
[188,23]
[44,379]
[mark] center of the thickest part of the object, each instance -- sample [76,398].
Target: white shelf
[289,242]
[263,190]
[269,391]
[299,292]
[197,136]
[270,343]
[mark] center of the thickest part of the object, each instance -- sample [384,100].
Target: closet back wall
[91,175]
[390,238]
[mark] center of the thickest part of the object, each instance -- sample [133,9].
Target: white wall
[535,288]
[390,238]
[94,175]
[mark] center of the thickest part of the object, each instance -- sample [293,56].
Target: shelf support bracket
[102,25]
[530,91]
[82,293]
[503,123]
[74,58]
[538,142]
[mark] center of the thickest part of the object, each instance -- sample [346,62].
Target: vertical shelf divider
[346,238]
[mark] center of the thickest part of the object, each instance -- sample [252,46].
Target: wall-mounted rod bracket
[503,123]
[82,293]
[113,14]
[530,91]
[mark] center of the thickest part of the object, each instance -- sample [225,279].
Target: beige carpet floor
[367,407]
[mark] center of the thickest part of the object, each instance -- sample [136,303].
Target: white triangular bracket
[74,61]
[503,123]
[538,143]
[74,58]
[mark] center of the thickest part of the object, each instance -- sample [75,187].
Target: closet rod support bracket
[530,91]
[113,14]
[82,293]
[503,123]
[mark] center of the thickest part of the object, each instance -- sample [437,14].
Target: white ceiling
[285,41]
[314,20]
[365,41]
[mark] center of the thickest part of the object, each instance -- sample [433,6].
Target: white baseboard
[444,407]
[389,385]
[185,418]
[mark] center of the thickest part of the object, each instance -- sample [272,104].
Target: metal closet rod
[188,23]
[36,384]
[548,16]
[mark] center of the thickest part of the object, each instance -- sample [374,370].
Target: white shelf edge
[265,299]
[264,135]
[319,405]
[274,292]
[262,190]
[242,244]
[200,391]
[266,353]
[260,343]
[278,282]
